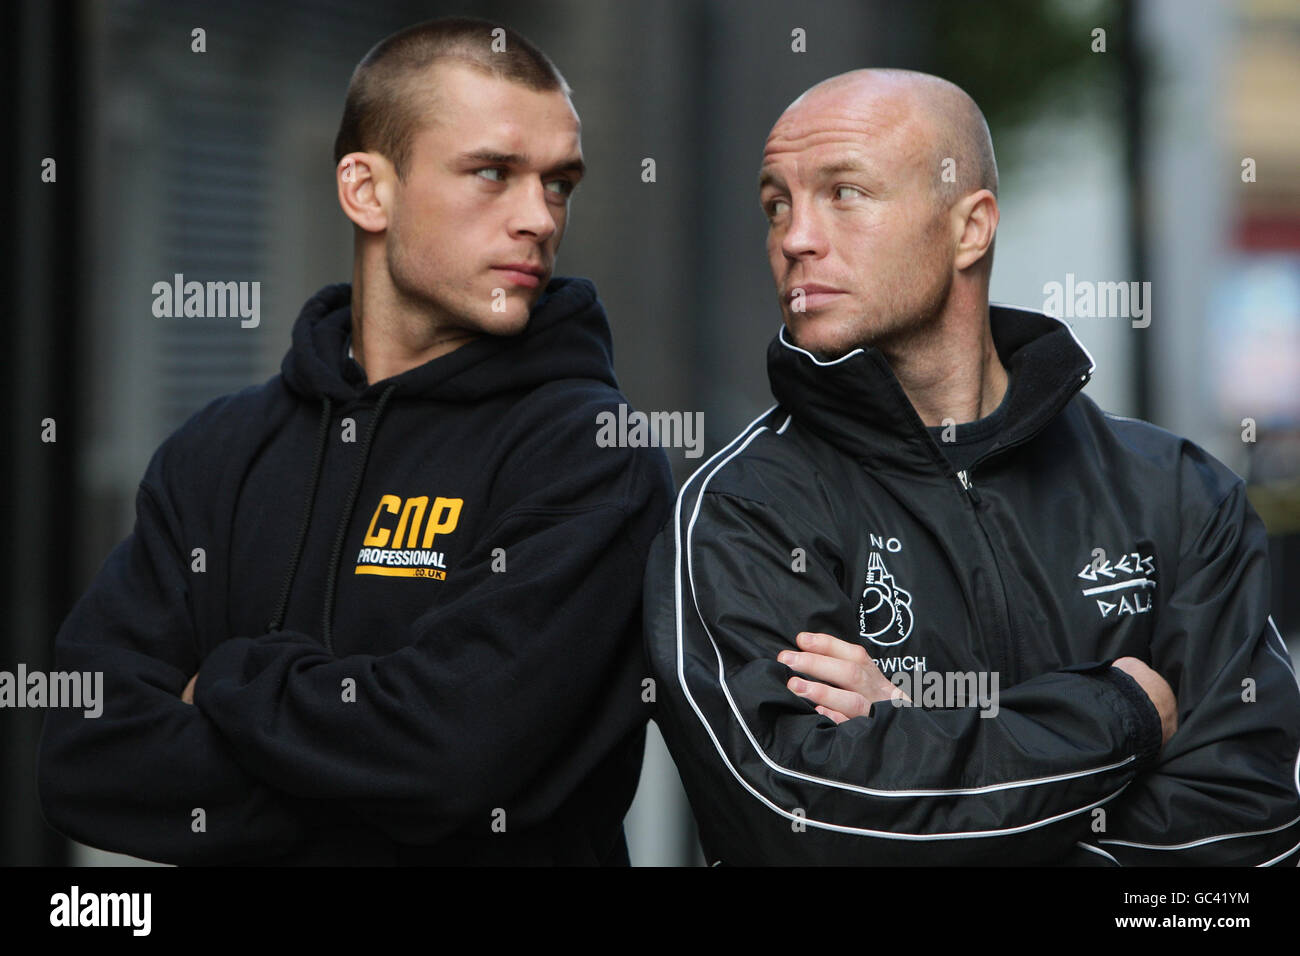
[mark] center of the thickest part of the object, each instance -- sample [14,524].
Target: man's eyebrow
[574,165]
[491,156]
[766,177]
[846,165]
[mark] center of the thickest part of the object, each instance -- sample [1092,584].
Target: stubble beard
[907,319]
[417,294]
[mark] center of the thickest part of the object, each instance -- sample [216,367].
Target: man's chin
[513,322]
[826,340]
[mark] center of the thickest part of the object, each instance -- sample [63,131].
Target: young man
[936,606]
[384,608]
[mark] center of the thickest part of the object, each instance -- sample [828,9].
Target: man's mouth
[811,295]
[526,274]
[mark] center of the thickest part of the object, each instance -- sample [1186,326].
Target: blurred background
[1164,149]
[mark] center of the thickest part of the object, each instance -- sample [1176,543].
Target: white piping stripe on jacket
[1092,362]
[780,334]
[1202,841]
[1286,651]
[1283,856]
[749,436]
[1098,850]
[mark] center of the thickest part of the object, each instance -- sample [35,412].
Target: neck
[391,333]
[950,370]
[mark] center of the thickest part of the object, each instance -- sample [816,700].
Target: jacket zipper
[968,486]
[1010,654]
[1014,654]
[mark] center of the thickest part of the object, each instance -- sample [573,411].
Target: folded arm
[1226,790]
[151,776]
[506,695]
[898,785]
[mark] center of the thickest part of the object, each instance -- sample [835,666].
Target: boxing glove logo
[885,611]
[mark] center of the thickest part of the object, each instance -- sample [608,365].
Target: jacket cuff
[1141,719]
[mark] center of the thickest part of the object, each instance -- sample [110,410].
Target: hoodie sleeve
[1226,791]
[772,781]
[508,693]
[149,776]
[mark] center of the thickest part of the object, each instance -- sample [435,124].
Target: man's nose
[532,216]
[806,237]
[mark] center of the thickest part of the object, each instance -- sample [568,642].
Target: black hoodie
[414,608]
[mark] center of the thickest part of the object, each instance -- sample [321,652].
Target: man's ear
[365,182]
[975,219]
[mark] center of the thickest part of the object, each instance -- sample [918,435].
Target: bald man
[936,606]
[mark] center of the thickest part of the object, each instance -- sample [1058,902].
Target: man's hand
[853,681]
[187,695]
[1158,689]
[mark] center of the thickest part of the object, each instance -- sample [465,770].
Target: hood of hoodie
[857,403]
[567,336]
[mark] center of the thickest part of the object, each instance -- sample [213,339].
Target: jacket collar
[857,404]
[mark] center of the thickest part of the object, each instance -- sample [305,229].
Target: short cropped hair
[383,110]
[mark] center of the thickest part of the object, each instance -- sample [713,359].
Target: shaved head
[880,190]
[940,116]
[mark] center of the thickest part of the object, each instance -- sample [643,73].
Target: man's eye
[562,187]
[840,190]
[493,174]
[777,207]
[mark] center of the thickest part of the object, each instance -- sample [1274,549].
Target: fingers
[1157,689]
[840,663]
[849,675]
[852,679]
[832,647]
[845,702]
[834,715]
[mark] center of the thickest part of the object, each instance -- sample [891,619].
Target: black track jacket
[1081,537]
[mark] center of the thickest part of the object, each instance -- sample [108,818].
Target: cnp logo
[411,515]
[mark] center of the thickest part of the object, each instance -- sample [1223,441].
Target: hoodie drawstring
[277,619]
[328,611]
